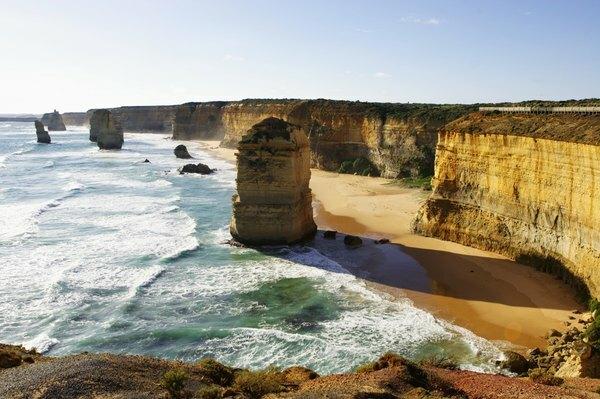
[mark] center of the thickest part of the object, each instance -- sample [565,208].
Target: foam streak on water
[102,252]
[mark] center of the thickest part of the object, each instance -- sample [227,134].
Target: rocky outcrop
[54,121]
[75,118]
[273,201]
[181,152]
[151,118]
[106,130]
[398,139]
[200,168]
[41,133]
[524,186]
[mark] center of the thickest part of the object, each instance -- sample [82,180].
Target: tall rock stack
[54,121]
[273,201]
[42,135]
[106,130]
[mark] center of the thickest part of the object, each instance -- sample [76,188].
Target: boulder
[54,121]
[583,363]
[106,130]
[382,241]
[353,241]
[330,234]
[273,202]
[199,168]
[42,135]
[515,362]
[182,152]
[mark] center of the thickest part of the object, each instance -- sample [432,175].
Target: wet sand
[490,295]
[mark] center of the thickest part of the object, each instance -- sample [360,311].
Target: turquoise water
[102,252]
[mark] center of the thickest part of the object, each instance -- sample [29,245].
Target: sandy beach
[486,293]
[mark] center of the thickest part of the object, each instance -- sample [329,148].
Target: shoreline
[488,294]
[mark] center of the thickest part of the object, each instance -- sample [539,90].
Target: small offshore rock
[146,161]
[42,135]
[353,241]
[106,130]
[181,152]
[329,234]
[382,241]
[515,362]
[199,168]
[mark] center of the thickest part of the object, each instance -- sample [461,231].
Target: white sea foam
[42,343]
[144,280]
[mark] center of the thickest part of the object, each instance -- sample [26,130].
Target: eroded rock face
[54,121]
[106,130]
[273,201]
[514,185]
[42,135]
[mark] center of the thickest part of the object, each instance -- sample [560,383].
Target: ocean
[102,252]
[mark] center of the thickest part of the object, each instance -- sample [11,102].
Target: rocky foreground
[26,374]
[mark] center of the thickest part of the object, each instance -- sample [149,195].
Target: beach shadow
[467,277]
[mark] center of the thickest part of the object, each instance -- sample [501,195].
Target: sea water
[102,252]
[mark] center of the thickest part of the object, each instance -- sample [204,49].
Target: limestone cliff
[54,121]
[399,139]
[106,129]
[75,118]
[151,118]
[272,204]
[524,186]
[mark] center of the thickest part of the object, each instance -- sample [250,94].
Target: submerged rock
[352,241]
[199,168]
[54,121]
[329,234]
[182,152]
[42,135]
[273,201]
[106,130]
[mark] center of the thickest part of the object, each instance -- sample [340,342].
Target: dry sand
[490,295]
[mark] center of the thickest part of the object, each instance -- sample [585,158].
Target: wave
[42,343]
[145,280]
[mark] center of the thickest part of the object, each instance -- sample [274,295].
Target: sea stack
[42,135]
[106,130]
[54,121]
[272,204]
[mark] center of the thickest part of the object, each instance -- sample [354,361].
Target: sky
[76,55]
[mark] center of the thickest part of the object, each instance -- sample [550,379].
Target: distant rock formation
[182,152]
[199,168]
[106,130]
[42,135]
[54,121]
[273,201]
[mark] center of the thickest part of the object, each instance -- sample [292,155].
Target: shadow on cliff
[393,267]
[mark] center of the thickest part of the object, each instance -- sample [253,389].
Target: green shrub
[174,382]
[592,332]
[216,372]
[209,392]
[440,361]
[358,166]
[256,384]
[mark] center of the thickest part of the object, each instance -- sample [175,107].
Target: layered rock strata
[41,133]
[272,204]
[398,139]
[524,186]
[53,121]
[75,118]
[151,118]
[106,130]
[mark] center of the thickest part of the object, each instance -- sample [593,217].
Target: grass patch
[359,166]
[209,392]
[215,372]
[174,382]
[422,182]
[256,384]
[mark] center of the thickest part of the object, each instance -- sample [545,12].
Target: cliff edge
[524,186]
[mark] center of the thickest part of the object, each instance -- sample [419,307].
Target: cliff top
[272,129]
[561,127]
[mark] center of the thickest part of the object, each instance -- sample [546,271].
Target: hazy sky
[76,55]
